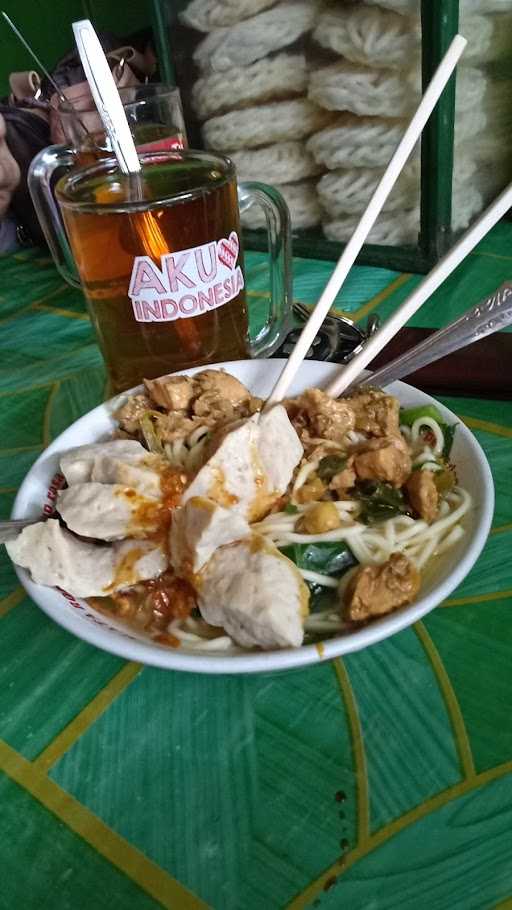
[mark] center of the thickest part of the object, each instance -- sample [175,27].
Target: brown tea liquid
[165,286]
[148,137]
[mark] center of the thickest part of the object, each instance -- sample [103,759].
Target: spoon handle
[10,529]
[488,316]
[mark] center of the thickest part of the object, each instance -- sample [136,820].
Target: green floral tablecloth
[379,782]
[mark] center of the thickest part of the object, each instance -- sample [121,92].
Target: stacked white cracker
[374,86]
[252,95]
[466,6]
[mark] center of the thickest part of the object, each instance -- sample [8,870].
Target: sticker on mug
[188,282]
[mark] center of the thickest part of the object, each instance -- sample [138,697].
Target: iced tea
[160,262]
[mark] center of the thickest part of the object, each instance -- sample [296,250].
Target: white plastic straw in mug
[424,290]
[369,217]
[106,96]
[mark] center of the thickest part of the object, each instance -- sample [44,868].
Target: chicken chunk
[108,511]
[243,473]
[423,495]
[198,529]
[174,393]
[130,413]
[220,397]
[375,412]
[223,385]
[55,557]
[77,464]
[256,594]
[214,407]
[376,590]
[327,418]
[386,459]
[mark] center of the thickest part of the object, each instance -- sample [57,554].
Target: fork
[337,326]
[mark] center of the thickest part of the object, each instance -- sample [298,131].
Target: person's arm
[9,179]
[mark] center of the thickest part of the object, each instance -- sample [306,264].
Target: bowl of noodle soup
[445,551]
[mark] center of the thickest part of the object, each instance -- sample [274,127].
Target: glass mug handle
[277,217]
[40,176]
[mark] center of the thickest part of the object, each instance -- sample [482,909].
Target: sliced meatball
[108,511]
[423,495]
[386,459]
[376,590]
[145,476]
[375,412]
[55,557]
[279,448]
[243,472]
[174,393]
[256,594]
[229,476]
[78,464]
[198,529]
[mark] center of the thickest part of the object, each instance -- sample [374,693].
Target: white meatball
[255,593]
[228,477]
[107,511]
[55,557]
[198,529]
[252,466]
[279,447]
[77,464]
[144,475]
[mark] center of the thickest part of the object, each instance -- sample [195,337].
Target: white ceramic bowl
[259,375]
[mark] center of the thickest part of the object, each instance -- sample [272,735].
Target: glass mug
[160,259]
[154,115]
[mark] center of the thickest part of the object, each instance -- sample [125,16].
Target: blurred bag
[26,134]
[32,121]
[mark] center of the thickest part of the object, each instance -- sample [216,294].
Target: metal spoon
[10,529]
[489,316]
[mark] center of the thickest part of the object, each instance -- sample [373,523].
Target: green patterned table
[379,782]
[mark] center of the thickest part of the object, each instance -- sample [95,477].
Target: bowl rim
[122,644]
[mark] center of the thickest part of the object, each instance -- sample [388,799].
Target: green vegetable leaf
[330,466]
[448,433]
[408,416]
[332,558]
[321,598]
[380,501]
[290,509]
[326,557]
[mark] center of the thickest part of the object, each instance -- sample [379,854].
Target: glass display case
[313,97]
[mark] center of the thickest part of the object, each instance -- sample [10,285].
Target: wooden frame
[439,20]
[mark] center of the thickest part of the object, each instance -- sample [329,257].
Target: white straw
[424,290]
[106,96]
[369,217]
